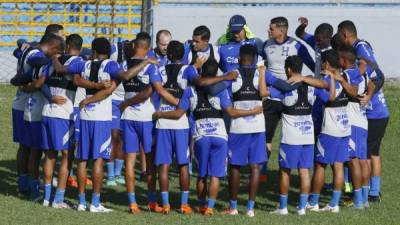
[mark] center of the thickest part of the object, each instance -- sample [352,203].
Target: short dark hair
[324,29]
[248,51]
[143,38]
[52,39]
[101,46]
[53,28]
[349,26]
[348,53]
[175,50]
[203,32]
[74,41]
[332,57]
[294,63]
[280,21]
[336,42]
[210,68]
[160,32]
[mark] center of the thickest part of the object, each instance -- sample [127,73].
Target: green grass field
[15,209]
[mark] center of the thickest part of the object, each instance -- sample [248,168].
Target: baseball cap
[236,23]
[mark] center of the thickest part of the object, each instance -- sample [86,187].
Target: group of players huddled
[219,103]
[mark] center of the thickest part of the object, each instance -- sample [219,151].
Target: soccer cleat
[312,208]
[202,209]
[46,203]
[111,182]
[89,182]
[72,182]
[375,199]
[133,208]
[250,213]
[120,180]
[301,212]
[328,208]
[61,205]
[360,207]
[207,211]
[99,209]
[230,211]
[166,209]
[280,212]
[263,178]
[186,209]
[154,207]
[366,205]
[81,208]
[348,202]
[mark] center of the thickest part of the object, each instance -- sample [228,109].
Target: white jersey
[357,112]
[298,127]
[101,110]
[276,55]
[214,127]
[181,123]
[80,95]
[336,120]
[34,106]
[205,54]
[119,93]
[248,124]
[21,97]
[142,111]
[64,111]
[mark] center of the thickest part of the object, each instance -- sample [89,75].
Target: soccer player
[211,145]
[96,117]
[57,124]
[275,51]
[246,140]
[238,34]
[297,139]
[377,110]
[332,144]
[136,121]
[163,37]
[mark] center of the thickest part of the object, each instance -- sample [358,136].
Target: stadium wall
[376,23]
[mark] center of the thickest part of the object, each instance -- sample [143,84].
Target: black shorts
[272,113]
[376,131]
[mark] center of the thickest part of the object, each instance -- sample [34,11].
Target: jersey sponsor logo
[304,126]
[285,51]
[231,59]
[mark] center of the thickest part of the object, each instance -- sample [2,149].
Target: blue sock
[346,174]
[233,204]
[82,199]
[152,197]
[365,190]
[131,197]
[210,203]
[47,192]
[201,202]
[23,182]
[250,205]
[165,198]
[59,198]
[375,186]
[335,198]
[263,168]
[358,198]
[34,187]
[314,199]
[95,199]
[184,197]
[303,201]
[110,170]
[119,163]
[283,201]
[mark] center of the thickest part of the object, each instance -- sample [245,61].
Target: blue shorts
[95,140]
[77,120]
[18,125]
[330,149]
[170,142]
[247,149]
[25,139]
[211,155]
[33,134]
[116,115]
[57,134]
[136,133]
[296,156]
[358,143]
